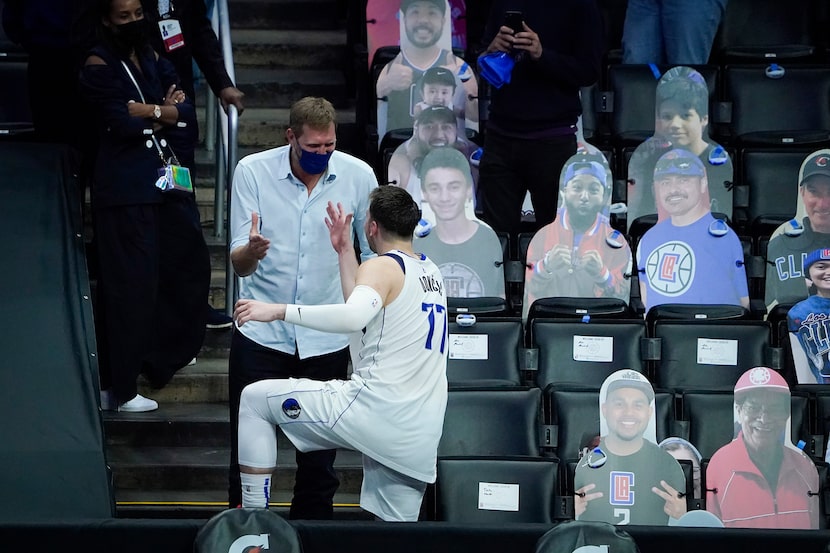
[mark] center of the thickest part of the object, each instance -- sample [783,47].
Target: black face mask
[128,36]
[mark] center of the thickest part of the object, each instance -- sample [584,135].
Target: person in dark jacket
[531,129]
[154,264]
[181,32]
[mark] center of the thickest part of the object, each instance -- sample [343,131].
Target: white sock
[256,489]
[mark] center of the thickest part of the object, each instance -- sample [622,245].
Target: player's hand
[675,505]
[528,41]
[592,263]
[582,497]
[257,243]
[253,310]
[339,224]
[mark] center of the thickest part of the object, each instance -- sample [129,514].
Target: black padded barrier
[349,536]
[52,462]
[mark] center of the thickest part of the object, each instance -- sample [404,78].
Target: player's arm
[378,282]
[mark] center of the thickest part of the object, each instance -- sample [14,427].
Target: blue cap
[679,162]
[821,254]
[592,168]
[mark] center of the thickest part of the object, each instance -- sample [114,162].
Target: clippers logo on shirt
[622,484]
[670,269]
[461,281]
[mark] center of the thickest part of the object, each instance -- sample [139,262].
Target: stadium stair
[172,463]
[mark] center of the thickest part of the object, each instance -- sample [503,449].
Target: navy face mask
[314,163]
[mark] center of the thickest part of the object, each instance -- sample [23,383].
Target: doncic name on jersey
[431,284]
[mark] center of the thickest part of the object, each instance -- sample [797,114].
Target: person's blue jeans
[673,32]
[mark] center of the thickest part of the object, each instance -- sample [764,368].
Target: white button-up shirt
[301,265]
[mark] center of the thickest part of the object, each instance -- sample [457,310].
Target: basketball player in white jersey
[392,407]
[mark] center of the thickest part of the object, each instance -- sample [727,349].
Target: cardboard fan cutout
[628,478]
[579,254]
[689,256]
[760,479]
[467,251]
[786,280]
[405,86]
[681,121]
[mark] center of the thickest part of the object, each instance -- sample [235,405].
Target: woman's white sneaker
[139,404]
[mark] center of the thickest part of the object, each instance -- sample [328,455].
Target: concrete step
[204,382]
[173,424]
[206,468]
[175,459]
[280,87]
[289,49]
[285,14]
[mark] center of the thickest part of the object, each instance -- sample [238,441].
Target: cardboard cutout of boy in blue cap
[808,322]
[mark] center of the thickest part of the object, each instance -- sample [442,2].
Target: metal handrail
[225,127]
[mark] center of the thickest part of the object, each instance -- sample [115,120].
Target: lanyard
[152,136]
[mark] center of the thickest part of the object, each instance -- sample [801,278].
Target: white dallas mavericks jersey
[402,365]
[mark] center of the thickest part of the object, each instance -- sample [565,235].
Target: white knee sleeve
[257,437]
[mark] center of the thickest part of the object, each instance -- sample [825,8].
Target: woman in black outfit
[154,263]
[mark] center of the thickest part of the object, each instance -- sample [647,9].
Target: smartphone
[513,19]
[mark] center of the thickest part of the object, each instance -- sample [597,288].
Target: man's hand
[558,257]
[339,224]
[253,310]
[396,76]
[582,497]
[503,41]
[528,41]
[675,506]
[232,95]
[257,243]
[592,263]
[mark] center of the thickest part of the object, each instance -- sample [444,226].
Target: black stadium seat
[485,353]
[709,354]
[791,110]
[766,30]
[496,490]
[560,341]
[492,422]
